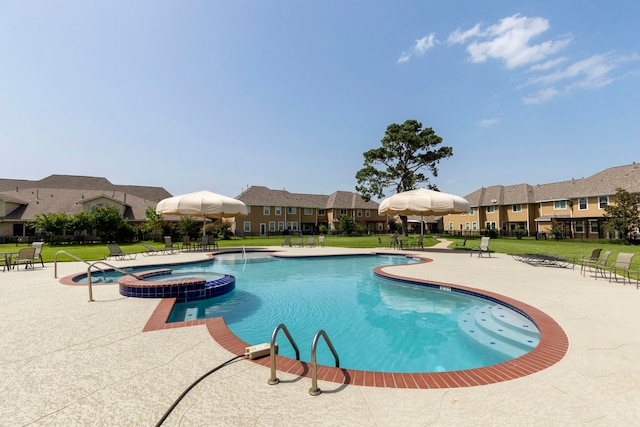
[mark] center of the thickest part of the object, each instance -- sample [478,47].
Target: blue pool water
[374,323]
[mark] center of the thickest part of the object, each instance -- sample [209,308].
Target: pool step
[500,328]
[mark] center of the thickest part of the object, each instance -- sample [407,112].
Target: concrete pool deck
[67,361]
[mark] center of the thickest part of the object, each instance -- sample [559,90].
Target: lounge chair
[600,266]
[419,244]
[299,242]
[168,246]
[311,241]
[483,247]
[38,253]
[287,240]
[590,260]
[116,252]
[25,257]
[321,240]
[150,250]
[395,242]
[186,243]
[621,267]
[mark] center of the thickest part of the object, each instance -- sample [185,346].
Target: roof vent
[494,201]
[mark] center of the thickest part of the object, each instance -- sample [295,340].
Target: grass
[568,248]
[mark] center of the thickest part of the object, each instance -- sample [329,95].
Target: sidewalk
[67,361]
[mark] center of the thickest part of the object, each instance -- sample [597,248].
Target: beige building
[22,200]
[274,211]
[578,205]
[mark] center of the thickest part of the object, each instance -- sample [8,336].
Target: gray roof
[603,183]
[67,193]
[263,196]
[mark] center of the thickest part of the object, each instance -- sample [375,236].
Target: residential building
[276,211]
[578,205]
[22,200]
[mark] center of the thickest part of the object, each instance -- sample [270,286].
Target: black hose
[184,393]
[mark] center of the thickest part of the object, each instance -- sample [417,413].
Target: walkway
[65,361]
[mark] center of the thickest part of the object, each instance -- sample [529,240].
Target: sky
[221,95]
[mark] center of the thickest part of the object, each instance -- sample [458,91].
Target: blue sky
[191,95]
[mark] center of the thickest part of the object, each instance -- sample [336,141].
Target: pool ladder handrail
[315,390]
[272,352]
[119,270]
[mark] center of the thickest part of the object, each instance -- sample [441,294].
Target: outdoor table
[7,258]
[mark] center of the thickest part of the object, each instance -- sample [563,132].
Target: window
[579,227]
[278,210]
[516,208]
[272,226]
[451,226]
[559,205]
[248,209]
[491,209]
[466,226]
[280,226]
[343,211]
[292,225]
[291,210]
[474,226]
[380,226]
[322,212]
[593,226]
[490,225]
[367,213]
[247,226]
[603,201]
[266,210]
[472,211]
[359,212]
[583,205]
[308,211]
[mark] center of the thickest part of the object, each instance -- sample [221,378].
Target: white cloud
[420,47]
[404,57]
[544,95]
[485,123]
[424,44]
[509,41]
[458,37]
[552,63]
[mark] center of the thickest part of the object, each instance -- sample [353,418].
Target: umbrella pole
[421,226]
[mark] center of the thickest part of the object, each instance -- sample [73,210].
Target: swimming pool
[374,323]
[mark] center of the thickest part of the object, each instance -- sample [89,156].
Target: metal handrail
[272,353]
[55,261]
[314,390]
[119,270]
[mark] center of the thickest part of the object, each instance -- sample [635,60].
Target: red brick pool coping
[551,349]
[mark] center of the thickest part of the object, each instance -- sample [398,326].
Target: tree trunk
[405,225]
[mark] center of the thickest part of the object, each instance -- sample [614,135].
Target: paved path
[65,361]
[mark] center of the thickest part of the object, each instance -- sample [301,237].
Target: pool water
[374,323]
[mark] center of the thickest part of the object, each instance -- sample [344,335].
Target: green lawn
[571,249]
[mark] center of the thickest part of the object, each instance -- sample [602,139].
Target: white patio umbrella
[202,203]
[423,202]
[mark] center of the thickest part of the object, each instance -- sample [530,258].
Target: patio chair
[419,244]
[483,247]
[186,243]
[395,242]
[600,266]
[116,252]
[321,240]
[299,242]
[168,246]
[590,260]
[38,253]
[25,257]
[150,250]
[287,240]
[621,267]
[311,241]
